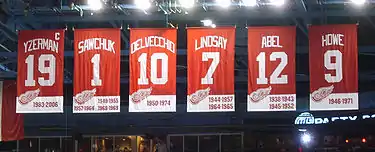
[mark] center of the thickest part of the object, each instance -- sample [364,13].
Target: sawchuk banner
[96,83]
[271,70]
[333,67]
[152,70]
[210,63]
[40,71]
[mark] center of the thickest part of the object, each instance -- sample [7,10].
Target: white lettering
[96,44]
[41,44]
[271,41]
[152,41]
[352,117]
[211,41]
[332,39]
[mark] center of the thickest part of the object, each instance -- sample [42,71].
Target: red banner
[152,70]
[40,76]
[210,54]
[96,70]
[333,67]
[271,80]
[11,123]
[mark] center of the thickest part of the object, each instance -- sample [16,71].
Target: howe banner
[271,70]
[210,54]
[40,71]
[152,70]
[333,67]
[96,83]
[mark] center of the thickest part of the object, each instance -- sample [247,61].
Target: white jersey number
[42,68]
[215,56]
[142,59]
[337,66]
[275,77]
[96,81]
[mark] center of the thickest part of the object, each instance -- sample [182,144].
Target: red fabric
[271,57]
[138,38]
[288,42]
[223,76]
[333,60]
[109,63]
[96,53]
[25,37]
[349,83]
[12,127]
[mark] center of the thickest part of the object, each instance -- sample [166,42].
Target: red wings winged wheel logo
[84,96]
[140,95]
[28,96]
[260,94]
[199,95]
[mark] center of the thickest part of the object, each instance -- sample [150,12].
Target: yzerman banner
[333,67]
[210,63]
[271,70]
[96,71]
[40,76]
[152,70]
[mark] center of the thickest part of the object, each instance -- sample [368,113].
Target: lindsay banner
[96,70]
[40,71]
[210,63]
[333,67]
[271,80]
[152,70]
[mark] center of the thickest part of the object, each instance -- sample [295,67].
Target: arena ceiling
[73,14]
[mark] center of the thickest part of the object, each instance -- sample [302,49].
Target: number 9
[337,66]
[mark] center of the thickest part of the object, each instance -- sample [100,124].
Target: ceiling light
[95,4]
[358,2]
[142,4]
[206,22]
[187,3]
[277,2]
[249,2]
[306,138]
[224,3]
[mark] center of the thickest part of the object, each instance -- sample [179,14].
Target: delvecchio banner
[96,83]
[40,77]
[152,61]
[271,57]
[210,54]
[333,67]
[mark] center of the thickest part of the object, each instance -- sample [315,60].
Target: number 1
[96,81]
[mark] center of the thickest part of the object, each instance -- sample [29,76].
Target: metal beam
[239,15]
[8,32]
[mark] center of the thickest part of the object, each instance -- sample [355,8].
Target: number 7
[215,56]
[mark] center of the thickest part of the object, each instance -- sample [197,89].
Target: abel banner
[333,67]
[40,71]
[96,71]
[272,75]
[210,63]
[152,70]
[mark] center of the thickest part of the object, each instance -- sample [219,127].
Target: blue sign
[307,118]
